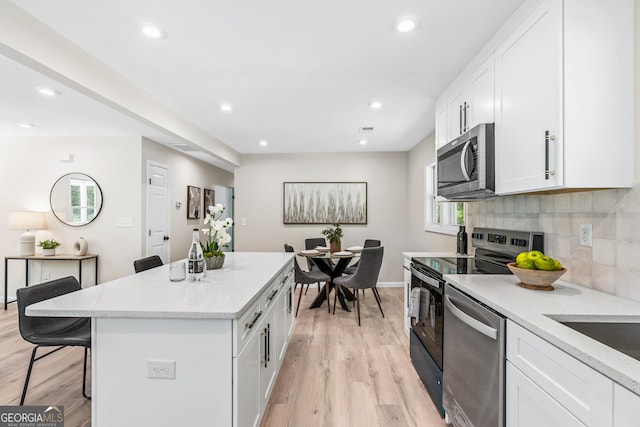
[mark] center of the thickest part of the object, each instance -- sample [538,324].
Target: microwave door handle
[470,321]
[463,166]
[460,117]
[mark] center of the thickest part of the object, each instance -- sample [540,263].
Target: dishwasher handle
[470,321]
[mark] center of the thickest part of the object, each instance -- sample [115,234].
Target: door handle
[463,165]
[470,321]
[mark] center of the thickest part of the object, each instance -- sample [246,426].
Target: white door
[158,211]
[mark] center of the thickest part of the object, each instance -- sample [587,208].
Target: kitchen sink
[624,337]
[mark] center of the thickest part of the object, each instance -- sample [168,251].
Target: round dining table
[333,264]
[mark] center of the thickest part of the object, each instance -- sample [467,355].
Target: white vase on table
[80,247]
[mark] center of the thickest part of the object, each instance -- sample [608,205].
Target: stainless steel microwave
[466,165]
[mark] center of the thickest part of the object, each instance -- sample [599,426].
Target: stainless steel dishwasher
[474,362]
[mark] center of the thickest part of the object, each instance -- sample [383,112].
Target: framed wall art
[325,203]
[193,202]
[208,200]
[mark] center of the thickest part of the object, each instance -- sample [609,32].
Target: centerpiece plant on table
[217,232]
[49,246]
[334,235]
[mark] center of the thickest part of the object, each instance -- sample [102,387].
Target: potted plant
[48,246]
[217,236]
[334,234]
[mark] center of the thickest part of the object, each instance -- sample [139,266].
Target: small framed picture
[193,202]
[209,198]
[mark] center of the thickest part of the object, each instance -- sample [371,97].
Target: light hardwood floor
[334,373]
[338,374]
[55,380]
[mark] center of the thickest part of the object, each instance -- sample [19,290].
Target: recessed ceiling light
[226,107]
[26,125]
[362,142]
[153,32]
[47,91]
[405,25]
[376,105]
[263,143]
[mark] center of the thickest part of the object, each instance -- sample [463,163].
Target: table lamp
[27,221]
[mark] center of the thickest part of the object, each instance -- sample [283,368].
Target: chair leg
[375,294]
[295,285]
[305,290]
[328,303]
[357,305]
[335,297]
[26,380]
[84,375]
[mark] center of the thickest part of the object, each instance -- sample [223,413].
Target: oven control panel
[509,241]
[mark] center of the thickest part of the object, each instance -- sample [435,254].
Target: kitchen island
[186,353]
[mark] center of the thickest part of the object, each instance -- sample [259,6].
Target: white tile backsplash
[613,263]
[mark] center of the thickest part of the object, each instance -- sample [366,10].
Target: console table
[62,257]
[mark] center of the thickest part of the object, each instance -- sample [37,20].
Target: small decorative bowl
[539,280]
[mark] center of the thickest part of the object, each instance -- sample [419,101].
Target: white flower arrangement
[217,231]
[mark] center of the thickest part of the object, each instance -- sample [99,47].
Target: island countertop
[223,294]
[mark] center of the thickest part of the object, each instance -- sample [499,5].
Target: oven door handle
[470,321]
[428,280]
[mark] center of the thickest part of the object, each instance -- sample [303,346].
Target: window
[440,216]
[83,200]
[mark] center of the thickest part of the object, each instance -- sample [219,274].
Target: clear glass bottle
[195,259]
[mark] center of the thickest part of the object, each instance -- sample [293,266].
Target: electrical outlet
[161,369]
[586,235]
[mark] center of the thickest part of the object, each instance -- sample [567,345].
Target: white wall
[28,169]
[259,193]
[417,238]
[183,171]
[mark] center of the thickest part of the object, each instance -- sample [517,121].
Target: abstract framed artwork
[208,200]
[193,202]
[325,202]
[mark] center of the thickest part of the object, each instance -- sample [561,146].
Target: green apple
[521,257]
[534,255]
[528,264]
[545,263]
[557,265]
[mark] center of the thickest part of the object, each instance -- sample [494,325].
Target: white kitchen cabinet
[246,369]
[625,407]
[407,294]
[564,98]
[269,356]
[472,101]
[442,123]
[544,382]
[284,316]
[528,405]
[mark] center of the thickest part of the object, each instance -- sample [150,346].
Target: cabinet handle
[251,324]
[460,118]
[466,126]
[273,294]
[290,303]
[547,139]
[265,334]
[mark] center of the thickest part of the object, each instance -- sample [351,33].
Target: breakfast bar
[186,353]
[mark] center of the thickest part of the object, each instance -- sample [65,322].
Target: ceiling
[299,75]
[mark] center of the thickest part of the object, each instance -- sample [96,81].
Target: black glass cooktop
[442,266]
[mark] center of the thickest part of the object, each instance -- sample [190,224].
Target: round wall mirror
[76,199]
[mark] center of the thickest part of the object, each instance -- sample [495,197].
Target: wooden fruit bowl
[540,280]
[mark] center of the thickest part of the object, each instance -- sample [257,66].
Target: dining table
[333,264]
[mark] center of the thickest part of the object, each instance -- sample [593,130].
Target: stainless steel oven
[494,248]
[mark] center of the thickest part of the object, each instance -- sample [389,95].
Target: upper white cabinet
[466,104]
[564,98]
[472,102]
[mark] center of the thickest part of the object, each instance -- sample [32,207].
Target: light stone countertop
[568,302]
[223,294]
[435,254]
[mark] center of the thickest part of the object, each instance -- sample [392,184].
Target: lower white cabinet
[407,294]
[256,367]
[246,397]
[528,405]
[625,407]
[538,372]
